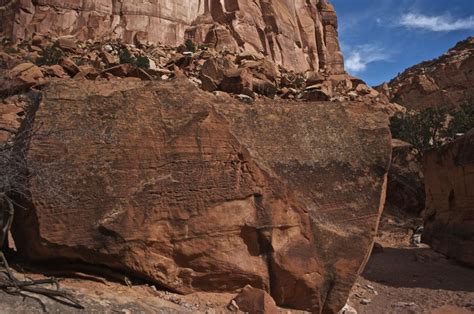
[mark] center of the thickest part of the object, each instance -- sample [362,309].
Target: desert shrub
[49,56]
[142,62]
[190,46]
[422,129]
[10,50]
[80,61]
[432,127]
[461,121]
[126,57]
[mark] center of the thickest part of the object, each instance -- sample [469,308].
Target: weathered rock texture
[405,188]
[449,217]
[298,34]
[199,192]
[445,81]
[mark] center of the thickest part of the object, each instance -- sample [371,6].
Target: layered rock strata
[200,192]
[449,216]
[297,34]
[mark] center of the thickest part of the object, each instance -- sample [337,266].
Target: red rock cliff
[449,214]
[445,81]
[298,34]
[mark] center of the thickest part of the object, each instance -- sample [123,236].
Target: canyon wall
[445,81]
[297,34]
[449,214]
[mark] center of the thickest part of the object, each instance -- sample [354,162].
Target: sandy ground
[404,278]
[399,278]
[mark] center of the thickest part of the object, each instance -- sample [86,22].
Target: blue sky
[381,38]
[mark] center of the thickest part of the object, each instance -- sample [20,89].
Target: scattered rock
[347,309]
[27,73]
[416,236]
[254,300]
[69,66]
[404,304]
[318,92]
[55,71]
[120,70]
[365,301]
[233,307]
[139,73]
[67,43]
[264,87]
[237,81]
[109,59]
[208,24]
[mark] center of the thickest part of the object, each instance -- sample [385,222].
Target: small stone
[109,58]
[233,307]
[244,98]
[253,300]
[67,43]
[108,48]
[28,73]
[404,304]
[347,309]
[365,301]
[69,66]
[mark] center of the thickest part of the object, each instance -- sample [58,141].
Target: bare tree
[15,175]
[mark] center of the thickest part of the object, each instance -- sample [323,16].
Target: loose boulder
[200,192]
[251,300]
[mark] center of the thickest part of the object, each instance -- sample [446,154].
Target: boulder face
[297,34]
[449,214]
[200,192]
[445,81]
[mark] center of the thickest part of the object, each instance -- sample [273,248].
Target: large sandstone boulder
[445,81]
[449,216]
[298,34]
[200,192]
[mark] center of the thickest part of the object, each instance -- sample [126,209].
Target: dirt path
[403,278]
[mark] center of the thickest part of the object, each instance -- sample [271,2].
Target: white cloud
[360,57]
[442,23]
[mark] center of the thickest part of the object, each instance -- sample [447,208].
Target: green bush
[190,46]
[461,120]
[432,127]
[49,56]
[126,57]
[142,62]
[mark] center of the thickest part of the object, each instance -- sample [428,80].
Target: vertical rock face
[298,34]
[405,188]
[199,192]
[449,217]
